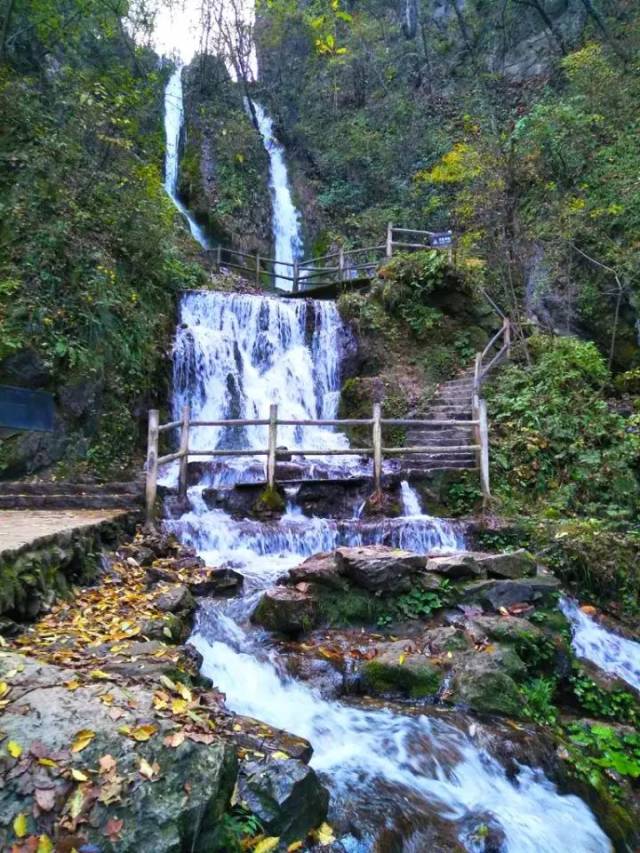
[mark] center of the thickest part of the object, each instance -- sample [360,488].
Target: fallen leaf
[82,739]
[279,755]
[4,689]
[116,713]
[113,828]
[402,659]
[142,733]
[45,798]
[324,834]
[45,844]
[175,739]
[267,845]
[47,762]
[179,706]
[78,775]
[14,749]
[75,803]
[99,673]
[107,763]
[201,737]
[20,825]
[296,845]
[184,691]
[73,684]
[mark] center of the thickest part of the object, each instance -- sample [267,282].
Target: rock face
[321,569]
[378,568]
[401,667]
[286,795]
[503,593]
[508,629]
[287,611]
[455,566]
[157,815]
[485,681]
[517,564]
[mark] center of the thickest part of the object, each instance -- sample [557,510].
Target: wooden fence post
[184,450]
[507,335]
[218,257]
[389,240]
[296,277]
[273,443]
[257,269]
[341,263]
[152,466]
[484,453]
[377,448]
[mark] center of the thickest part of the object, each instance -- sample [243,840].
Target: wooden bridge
[327,275]
[468,419]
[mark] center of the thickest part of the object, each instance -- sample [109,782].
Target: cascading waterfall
[287,234]
[173,123]
[233,355]
[610,652]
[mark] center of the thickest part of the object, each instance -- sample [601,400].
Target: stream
[426,779]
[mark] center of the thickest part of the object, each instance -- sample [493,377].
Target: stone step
[409,469]
[52,488]
[441,458]
[70,501]
[436,441]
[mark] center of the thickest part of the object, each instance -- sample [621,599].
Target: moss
[270,502]
[415,680]
[350,607]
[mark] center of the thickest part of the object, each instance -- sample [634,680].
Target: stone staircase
[452,401]
[51,495]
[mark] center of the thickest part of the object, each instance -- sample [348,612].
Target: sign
[442,239]
[21,408]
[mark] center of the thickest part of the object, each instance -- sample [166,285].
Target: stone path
[19,527]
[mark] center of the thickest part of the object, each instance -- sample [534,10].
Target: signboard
[21,408]
[442,239]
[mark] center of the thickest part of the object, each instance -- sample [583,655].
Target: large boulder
[286,795]
[321,569]
[287,611]
[71,756]
[400,667]
[508,629]
[504,593]
[517,564]
[484,680]
[378,568]
[455,566]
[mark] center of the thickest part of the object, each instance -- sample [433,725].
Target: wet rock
[224,581]
[517,564]
[455,566]
[504,593]
[378,568]
[287,611]
[178,599]
[510,629]
[401,667]
[286,795]
[321,673]
[320,569]
[255,735]
[484,680]
[446,639]
[171,628]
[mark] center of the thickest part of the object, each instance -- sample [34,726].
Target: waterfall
[613,654]
[173,123]
[233,355]
[287,235]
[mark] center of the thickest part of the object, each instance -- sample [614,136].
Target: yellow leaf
[402,659]
[142,733]
[167,682]
[4,689]
[145,769]
[107,699]
[73,684]
[179,706]
[99,673]
[296,845]
[267,845]
[184,691]
[280,755]
[45,845]
[78,775]
[82,739]
[324,834]
[14,749]
[75,803]
[20,825]
[47,762]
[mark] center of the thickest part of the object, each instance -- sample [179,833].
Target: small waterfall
[173,123]
[287,235]
[613,654]
[420,528]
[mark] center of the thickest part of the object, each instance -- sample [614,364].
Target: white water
[613,654]
[287,235]
[173,122]
[450,537]
[233,355]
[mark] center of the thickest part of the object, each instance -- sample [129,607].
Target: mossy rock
[412,676]
[270,503]
[349,607]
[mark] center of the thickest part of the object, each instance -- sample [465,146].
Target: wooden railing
[502,341]
[339,267]
[376,451]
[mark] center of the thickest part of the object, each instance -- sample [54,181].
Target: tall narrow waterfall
[287,235]
[173,123]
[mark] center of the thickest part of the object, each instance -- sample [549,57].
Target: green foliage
[554,439]
[408,282]
[235,827]
[603,756]
[620,705]
[419,603]
[350,607]
[538,695]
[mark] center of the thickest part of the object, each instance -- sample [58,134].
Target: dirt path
[19,527]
